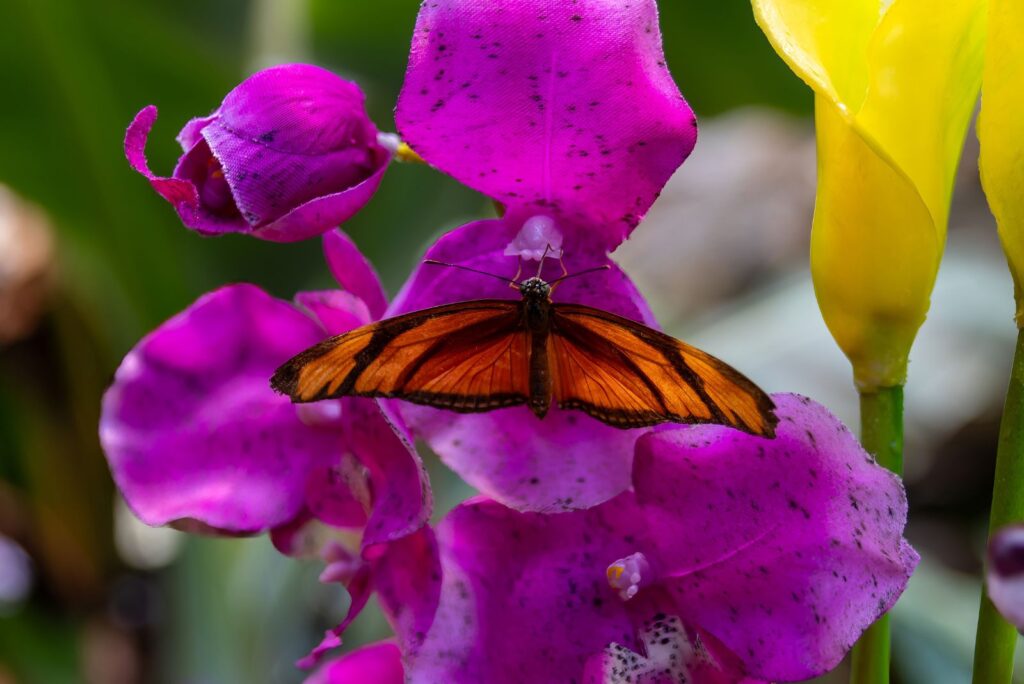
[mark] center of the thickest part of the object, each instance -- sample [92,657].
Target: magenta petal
[323,213]
[353,271]
[335,310]
[301,109]
[379,663]
[567,107]
[784,549]
[191,133]
[182,193]
[290,154]
[330,497]
[288,196]
[191,427]
[359,589]
[566,461]
[402,500]
[1006,573]
[524,596]
[407,578]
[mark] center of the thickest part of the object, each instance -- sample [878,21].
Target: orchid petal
[379,663]
[1005,575]
[353,272]
[523,596]
[402,500]
[191,427]
[359,588]
[561,107]
[784,549]
[407,578]
[180,192]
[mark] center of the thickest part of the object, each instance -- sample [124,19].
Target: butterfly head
[535,289]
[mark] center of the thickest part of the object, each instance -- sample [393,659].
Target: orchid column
[895,84]
[1001,131]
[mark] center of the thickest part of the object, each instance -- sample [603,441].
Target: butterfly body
[536,315]
[486,354]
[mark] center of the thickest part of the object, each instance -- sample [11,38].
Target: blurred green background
[104,606]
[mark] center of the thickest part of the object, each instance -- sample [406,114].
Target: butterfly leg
[565,271]
[514,283]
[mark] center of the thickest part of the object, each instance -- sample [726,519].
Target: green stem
[881,429]
[996,640]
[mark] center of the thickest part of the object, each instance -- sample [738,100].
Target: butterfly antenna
[435,262]
[540,264]
[605,267]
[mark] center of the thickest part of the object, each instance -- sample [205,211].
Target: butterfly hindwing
[471,356]
[629,375]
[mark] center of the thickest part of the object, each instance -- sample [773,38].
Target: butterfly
[486,354]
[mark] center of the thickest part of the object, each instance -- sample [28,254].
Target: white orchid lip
[538,237]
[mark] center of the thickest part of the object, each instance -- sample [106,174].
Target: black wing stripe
[675,359]
[442,343]
[587,339]
[392,328]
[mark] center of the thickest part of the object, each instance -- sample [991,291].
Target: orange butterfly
[490,353]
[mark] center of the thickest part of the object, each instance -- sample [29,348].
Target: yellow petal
[1001,131]
[895,84]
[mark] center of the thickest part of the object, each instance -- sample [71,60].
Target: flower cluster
[593,554]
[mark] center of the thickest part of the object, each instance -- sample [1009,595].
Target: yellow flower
[1001,131]
[895,84]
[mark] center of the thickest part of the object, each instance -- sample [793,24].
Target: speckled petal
[524,596]
[784,549]
[192,429]
[181,192]
[567,107]
[1006,573]
[668,652]
[353,271]
[379,663]
[563,462]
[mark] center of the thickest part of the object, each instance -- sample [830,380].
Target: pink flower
[289,154]
[734,558]
[196,438]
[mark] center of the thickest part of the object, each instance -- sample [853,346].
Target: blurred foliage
[74,74]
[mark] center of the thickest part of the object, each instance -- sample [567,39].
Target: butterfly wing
[471,356]
[628,375]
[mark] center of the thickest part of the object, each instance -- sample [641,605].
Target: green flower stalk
[1001,132]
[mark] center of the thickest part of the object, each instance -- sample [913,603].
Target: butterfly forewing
[627,374]
[467,357]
